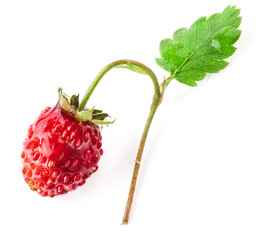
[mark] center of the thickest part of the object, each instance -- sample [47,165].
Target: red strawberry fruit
[62,148]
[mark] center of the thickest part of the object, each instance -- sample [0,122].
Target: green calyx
[71,106]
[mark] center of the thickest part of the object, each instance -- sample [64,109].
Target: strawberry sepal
[71,105]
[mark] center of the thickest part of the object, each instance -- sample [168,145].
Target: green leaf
[201,49]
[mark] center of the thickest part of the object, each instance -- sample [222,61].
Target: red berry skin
[59,152]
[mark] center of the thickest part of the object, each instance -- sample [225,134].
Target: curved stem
[125,63]
[159,91]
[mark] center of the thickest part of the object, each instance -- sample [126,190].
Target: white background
[200,176]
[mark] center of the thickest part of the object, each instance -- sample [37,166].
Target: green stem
[159,91]
[154,106]
[153,110]
[125,63]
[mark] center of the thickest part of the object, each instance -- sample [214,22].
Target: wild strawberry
[62,149]
[63,146]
